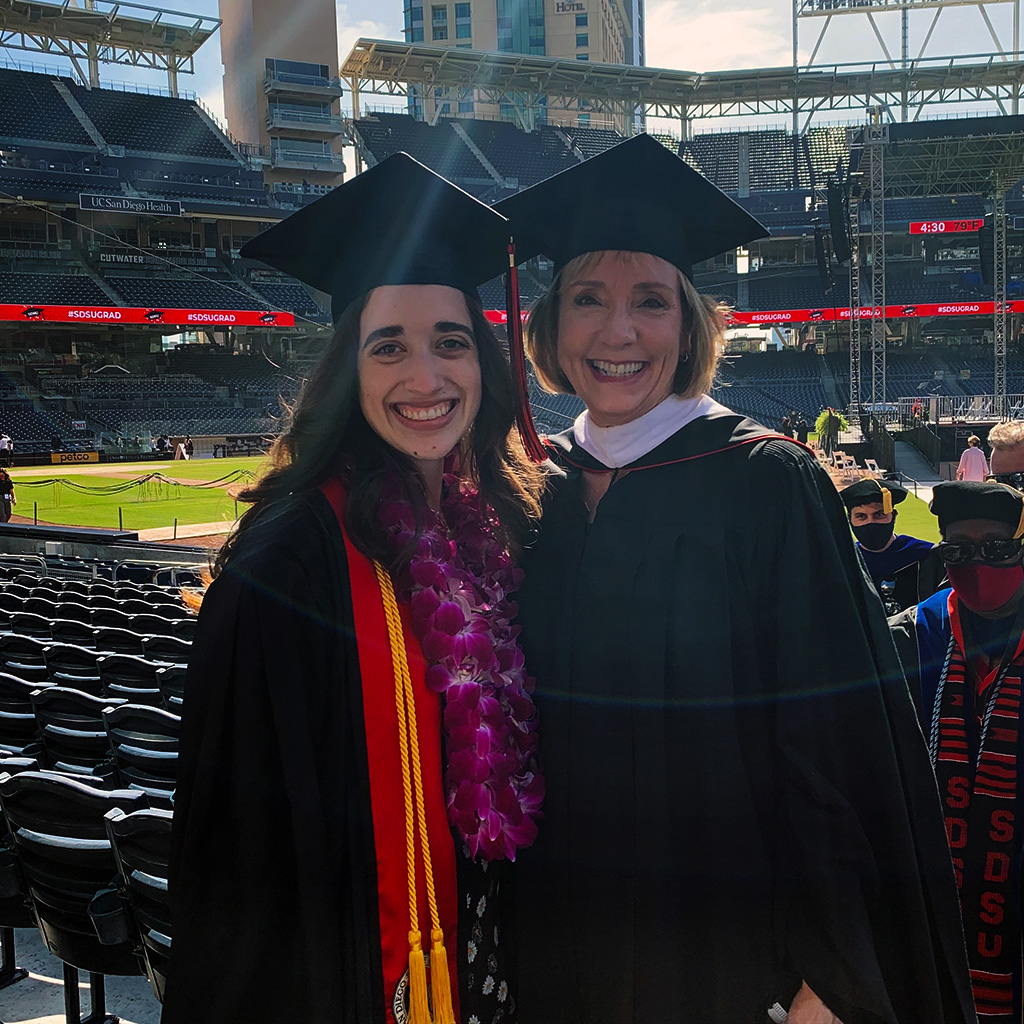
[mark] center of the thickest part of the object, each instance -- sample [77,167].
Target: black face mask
[874,536]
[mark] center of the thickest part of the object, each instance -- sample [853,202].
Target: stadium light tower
[826,10]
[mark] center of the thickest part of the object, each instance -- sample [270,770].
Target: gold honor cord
[412,783]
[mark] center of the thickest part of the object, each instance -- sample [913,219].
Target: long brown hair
[326,430]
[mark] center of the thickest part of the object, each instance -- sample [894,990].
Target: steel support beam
[876,139]
[855,333]
[999,283]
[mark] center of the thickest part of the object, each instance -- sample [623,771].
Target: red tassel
[517,356]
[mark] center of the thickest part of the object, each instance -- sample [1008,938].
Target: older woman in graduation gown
[357,761]
[740,816]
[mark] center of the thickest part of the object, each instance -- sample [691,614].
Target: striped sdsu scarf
[974,744]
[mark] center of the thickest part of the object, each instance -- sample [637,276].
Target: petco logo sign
[70,458]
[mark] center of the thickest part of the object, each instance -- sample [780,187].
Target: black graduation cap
[873,492]
[954,500]
[636,196]
[396,223]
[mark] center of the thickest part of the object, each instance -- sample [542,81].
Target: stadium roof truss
[949,166]
[522,80]
[106,31]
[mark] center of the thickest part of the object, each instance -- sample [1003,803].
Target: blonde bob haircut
[704,323]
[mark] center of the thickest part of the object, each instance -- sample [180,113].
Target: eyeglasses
[992,552]
[1015,480]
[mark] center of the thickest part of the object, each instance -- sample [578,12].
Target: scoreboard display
[946,227]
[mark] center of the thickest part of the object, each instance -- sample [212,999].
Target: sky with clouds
[694,35]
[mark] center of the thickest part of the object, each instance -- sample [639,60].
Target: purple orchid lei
[460,591]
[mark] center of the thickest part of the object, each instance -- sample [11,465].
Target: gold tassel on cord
[440,980]
[419,1010]
[415,813]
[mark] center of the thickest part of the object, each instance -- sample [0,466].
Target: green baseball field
[134,496]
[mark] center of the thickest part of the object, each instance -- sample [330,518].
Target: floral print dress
[485,993]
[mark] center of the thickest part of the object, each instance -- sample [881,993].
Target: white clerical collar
[616,447]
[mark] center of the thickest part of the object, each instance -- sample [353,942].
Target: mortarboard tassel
[886,500]
[517,357]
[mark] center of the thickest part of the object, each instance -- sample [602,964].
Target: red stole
[382,746]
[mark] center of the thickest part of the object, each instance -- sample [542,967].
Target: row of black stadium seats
[118,741]
[70,840]
[98,591]
[75,624]
[23,652]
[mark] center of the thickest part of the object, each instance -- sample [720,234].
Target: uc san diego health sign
[130,204]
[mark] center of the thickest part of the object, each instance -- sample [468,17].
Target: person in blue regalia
[904,569]
[963,652]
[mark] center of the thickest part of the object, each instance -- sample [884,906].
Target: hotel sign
[570,7]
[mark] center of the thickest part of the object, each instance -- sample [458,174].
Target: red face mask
[984,588]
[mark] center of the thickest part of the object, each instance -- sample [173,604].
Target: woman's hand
[807,1008]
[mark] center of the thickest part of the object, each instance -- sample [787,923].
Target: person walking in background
[973,464]
[7,498]
[802,428]
[6,449]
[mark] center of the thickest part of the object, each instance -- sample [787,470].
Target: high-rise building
[592,30]
[281,87]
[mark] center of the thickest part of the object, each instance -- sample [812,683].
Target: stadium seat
[144,742]
[78,608]
[131,678]
[141,842]
[11,601]
[117,617]
[167,649]
[78,587]
[171,680]
[115,641]
[103,601]
[61,847]
[70,665]
[71,729]
[31,624]
[152,623]
[143,606]
[72,630]
[22,656]
[185,629]
[19,731]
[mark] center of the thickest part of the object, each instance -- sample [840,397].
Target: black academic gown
[738,793]
[273,870]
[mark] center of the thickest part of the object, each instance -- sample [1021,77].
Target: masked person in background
[903,569]
[963,651]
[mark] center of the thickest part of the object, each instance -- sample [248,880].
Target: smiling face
[419,370]
[620,321]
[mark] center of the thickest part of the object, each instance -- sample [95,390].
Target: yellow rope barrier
[412,783]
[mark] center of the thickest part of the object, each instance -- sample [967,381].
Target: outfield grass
[915,519]
[77,499]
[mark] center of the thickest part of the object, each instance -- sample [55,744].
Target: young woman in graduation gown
[358,749]
[740,817]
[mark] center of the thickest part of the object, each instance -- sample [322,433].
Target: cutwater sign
[129,204]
